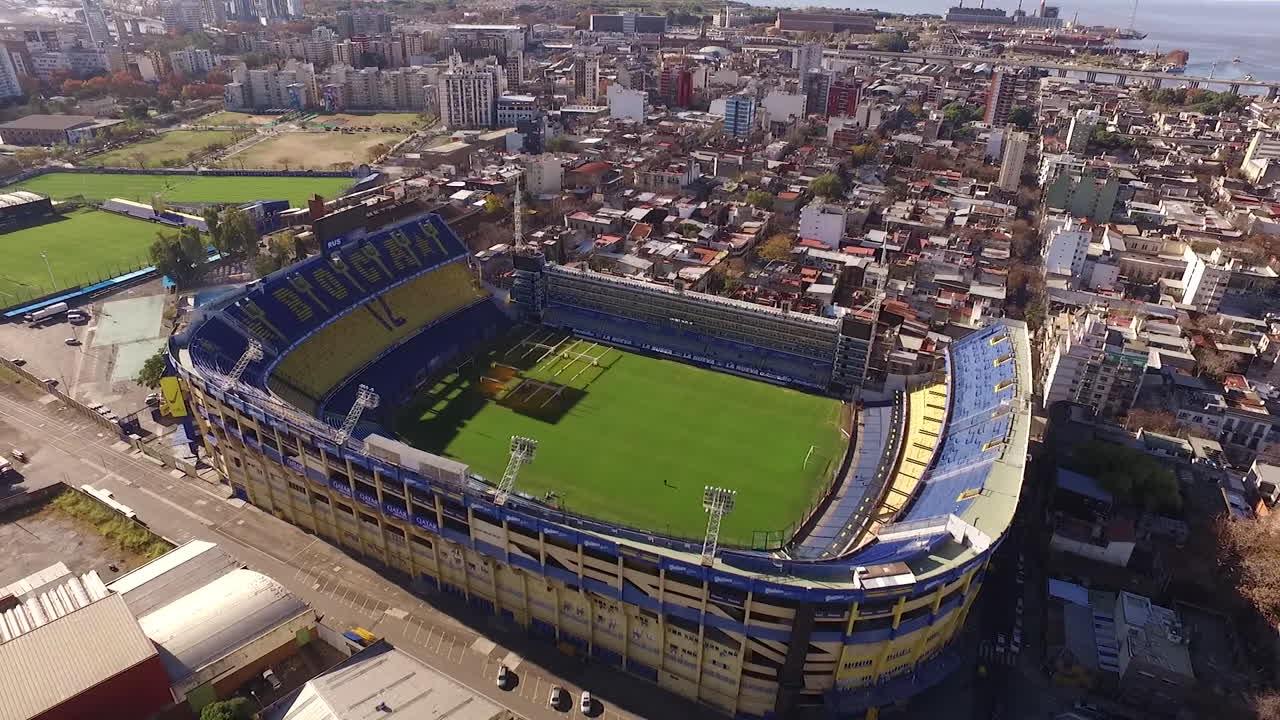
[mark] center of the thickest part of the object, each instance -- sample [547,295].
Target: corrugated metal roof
[218,618]
[382,675]
[169,577]
[57,661]
[45,596]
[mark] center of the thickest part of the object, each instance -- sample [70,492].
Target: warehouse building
[53,129]
[69,649]
[216,623]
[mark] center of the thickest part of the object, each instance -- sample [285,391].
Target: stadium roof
[21,197]
[218,618]
[380,681]
[55,662]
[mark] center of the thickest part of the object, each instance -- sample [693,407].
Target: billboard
[171,402]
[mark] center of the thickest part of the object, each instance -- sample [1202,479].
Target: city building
[291,87]
[1088,362]
[411,88]
[351,23]
[675,85]
[476,42]
[843,97]
[9,85]
[469,94]
[1003,90]
[807,58]
[586,77]
[961,15]
[1013,159]
[192,61]
[1066,246]
[96,20]
[1081,129]
[1261,156]
[1083,195]
[1153,655]
[825,21]
[628,105]
[1204,282]
[182,16]
[516,109]
[629,24]
[543,175]
[824,223]
[53,129]
[817,91]
[739,115]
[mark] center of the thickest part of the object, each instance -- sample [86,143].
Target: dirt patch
[36,538]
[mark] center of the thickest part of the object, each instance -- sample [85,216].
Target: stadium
[387,398]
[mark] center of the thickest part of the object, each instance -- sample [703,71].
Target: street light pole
[53,284]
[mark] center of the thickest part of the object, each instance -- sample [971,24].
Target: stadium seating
[288,305]
[396,374]
[876,450]
[348,343]
[281,309]
[983,384]
[768,364]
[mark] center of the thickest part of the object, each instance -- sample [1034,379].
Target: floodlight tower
[717,502]
[522,451]
[366,399]
[251,354]
[517,217]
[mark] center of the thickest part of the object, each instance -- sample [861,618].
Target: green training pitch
[183,188]
[83,247]
[632,439]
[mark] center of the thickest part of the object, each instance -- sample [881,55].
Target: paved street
[339,587]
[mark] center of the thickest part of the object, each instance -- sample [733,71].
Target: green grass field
[183,188]
[83,247]
[633,439]
[168,149]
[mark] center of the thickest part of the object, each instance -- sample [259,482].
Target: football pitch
[183,188]
[82,247]
[632,439]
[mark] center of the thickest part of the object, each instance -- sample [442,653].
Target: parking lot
[95,360]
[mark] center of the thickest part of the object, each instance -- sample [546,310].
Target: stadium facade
[858,613]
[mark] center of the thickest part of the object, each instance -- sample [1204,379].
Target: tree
[1022,116]
[827,185]
[1249,555]
[177,257]
[1131,476]
[239,236]
[1215,364]
[760,199]
[237,708]
[152,370]
[1160,421]
[375,152]
[892,42]
[558,143]
[777,247]
[958,113]
[493,204]
[282,249]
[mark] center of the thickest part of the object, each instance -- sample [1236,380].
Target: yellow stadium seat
[357,338]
